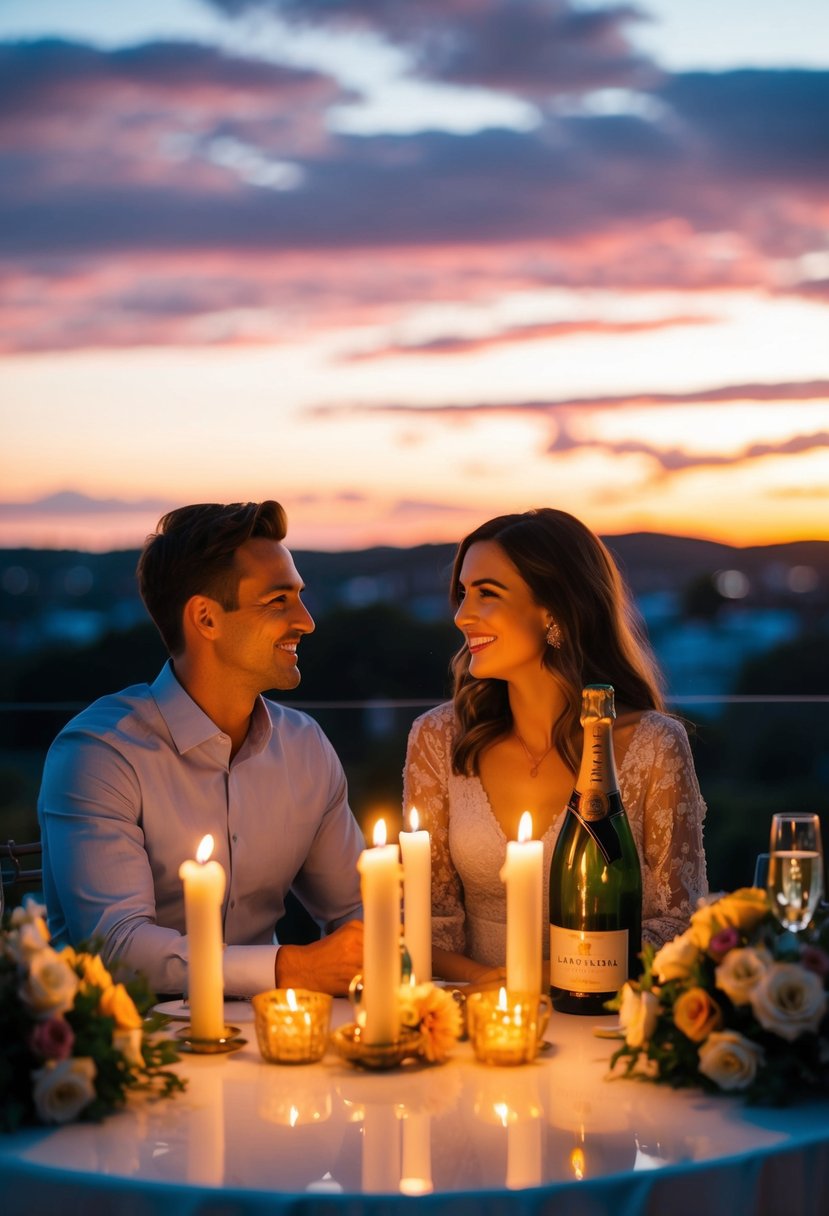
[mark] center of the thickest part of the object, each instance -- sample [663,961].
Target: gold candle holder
[292,1025]
[506,1027]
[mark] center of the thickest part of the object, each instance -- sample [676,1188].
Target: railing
[754,754]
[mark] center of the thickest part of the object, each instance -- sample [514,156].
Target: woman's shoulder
[648,730]
[437,721]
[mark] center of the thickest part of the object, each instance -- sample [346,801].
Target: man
[133,783]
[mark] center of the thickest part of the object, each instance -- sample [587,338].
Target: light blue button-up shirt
[130,787]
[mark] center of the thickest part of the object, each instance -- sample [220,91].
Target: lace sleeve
[674,873]
[426,786]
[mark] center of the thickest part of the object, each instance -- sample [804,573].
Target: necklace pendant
[534,771]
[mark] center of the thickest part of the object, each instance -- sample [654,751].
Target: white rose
[637,1015]
[741,971]
[29,910]
[730,1060]
[128,1042]
[61,1090]
[676,958]
[50,985]
[789,1000]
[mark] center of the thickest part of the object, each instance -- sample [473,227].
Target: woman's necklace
[535,762]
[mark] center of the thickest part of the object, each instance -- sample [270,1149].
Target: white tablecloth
[553,1137]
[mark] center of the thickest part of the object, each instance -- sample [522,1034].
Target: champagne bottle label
[588,962]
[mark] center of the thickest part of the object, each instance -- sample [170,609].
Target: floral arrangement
[733,1004]
[73,1041]
[435,1014]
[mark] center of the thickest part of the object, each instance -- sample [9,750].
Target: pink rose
[722,942]
[53,1039]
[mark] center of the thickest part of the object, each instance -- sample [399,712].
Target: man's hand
[328,965]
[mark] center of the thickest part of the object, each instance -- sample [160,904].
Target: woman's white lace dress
[660,793]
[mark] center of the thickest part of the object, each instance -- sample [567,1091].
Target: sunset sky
[404,266]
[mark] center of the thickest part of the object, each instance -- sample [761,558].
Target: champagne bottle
[595,876]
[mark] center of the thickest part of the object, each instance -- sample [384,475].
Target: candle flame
[502,998]
[525,828]
[414,819]
[293,1116]
[501,1112]
[290,997]
[205,848]
[380,832]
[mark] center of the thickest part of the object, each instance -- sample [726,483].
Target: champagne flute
[795,881]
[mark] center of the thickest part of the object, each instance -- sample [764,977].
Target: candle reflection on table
[206,1134]
[417,1155]
[512,1101]
[381,1150]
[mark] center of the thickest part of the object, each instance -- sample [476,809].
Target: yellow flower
[94,973]
[730,1060]
[117,1004]
[696,1014]
[743,910]
[435,1012]
[789,1000]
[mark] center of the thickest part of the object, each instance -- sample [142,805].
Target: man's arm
[97,875]
[328,965]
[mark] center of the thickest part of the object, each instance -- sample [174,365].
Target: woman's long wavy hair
[571,574]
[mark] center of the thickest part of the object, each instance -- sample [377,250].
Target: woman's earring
[554,635]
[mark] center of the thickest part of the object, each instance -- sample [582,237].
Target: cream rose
[62,1090]
[729,1060]
[27,940]
[676,958]
[128,1042]
[638,1013]
[49,986]
[697,1015]
[789,1000]
[741,910]
[30,910]
[740,972]
[116,1003]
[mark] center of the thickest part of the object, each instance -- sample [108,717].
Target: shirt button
[234,837]
[233,903]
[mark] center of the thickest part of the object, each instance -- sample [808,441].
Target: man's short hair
[192,553]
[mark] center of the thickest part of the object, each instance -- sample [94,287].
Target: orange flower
[117,1004]
[696,1014]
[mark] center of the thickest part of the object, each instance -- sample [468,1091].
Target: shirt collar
[189,726]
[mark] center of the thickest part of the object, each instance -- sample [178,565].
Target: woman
[543,611]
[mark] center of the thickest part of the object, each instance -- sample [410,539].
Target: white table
[329,1139]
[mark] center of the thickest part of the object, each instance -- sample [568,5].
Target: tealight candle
[292,1024]
[380,886]
[204,889]
[416,849]
[523,874]
[506,1030]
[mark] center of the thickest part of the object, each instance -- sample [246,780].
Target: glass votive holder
[292,1024]
[506,1027]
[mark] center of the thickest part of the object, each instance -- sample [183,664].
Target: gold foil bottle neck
[597,703]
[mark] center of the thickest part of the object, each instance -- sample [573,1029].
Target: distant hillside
[415,579]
